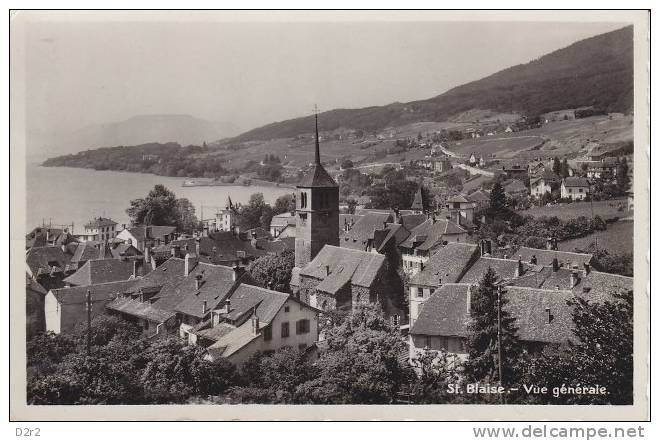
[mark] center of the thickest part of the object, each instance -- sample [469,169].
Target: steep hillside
[596,71]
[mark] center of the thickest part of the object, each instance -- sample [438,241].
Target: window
[420,292]
[268,333]
[302,326]
[581,190]
[303,199]
[285,329]
[286,309]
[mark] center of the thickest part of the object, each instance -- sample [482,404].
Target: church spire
[317,154]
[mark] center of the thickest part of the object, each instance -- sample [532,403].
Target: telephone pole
[88,305]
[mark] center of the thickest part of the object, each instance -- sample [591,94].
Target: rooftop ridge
[89,286]
[559,251]
[261,288]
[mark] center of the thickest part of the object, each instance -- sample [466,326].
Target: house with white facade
[575,188]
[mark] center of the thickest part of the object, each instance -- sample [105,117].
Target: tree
[273,378]
[284,204]
[346,163]
[556,166]
[564,168]
[482,342]
[362,363]
[158,208]
[250,215]
[497,198]
[187,220]
[436,371]
[273,272]
[352,204]
[600,354]
[175,372]
[622,179]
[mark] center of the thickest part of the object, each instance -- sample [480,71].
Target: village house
[515,188]
[425,239]
[104,270]
[99,229]
[47,236]
[50,265]
[342,278]
[575,188]
[255,319]
[550,256]
[515,171]
[544,183]
[461,210]
[140,235]
[225,220]
[283,225]
[447,265]
[480,198]
[66,308]
[605,168]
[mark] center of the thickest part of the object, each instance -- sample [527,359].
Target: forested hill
[597,71]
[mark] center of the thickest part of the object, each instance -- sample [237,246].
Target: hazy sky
[249,74]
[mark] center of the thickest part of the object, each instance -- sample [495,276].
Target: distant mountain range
[597,71]
[182,129]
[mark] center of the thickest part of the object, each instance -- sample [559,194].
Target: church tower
[317,210]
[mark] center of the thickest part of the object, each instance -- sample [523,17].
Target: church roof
[317,177]
[418,202]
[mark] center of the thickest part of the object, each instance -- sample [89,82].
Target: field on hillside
[605,209]
[618,238]
[499,146]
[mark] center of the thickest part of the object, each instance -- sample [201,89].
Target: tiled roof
[445,312]
[317,177]
[216,284]
[282,220]
[458,198]
[576,182]
[45,258]
[432,232]
[247,298]
[233,341]
[99,292]
[91,250]
[123,249]
[144,310]
[100,222]
[478,196]
[164,279]
[545,257]
[156,231]
[505,269]
[515,186]
[359,267]
[447,264]
[101,271]
[363,230]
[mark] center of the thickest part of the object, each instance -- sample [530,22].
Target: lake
[63,195]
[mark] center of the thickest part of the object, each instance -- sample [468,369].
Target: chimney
[385,225]
[236,273]
[47,234]
[574,279]
[175,250]
[458,217]
[327,270]
[197,241]
[555,264]
[134,268]
[533,260]
[198,281]
[147,254]
[255,324]
[189,264]
[482,246]
[587,269]
[548,315]
[227,306]
[519,268]
[204,306]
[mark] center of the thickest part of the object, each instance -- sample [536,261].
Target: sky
[84,72]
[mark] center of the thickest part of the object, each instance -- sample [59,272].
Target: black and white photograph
[322,209]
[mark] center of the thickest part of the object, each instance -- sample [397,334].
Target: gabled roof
[445,312]
[575,182]
[98,292]
[458,198]
[248,298]
[479,196]
[100,222]
[101,271]
[44,260]
[217,283]
[515,186]
[91,250]
[505,269]
[317,177]
[545,257]
[282,220]
[345,265]
[142,232]
[363,230]
[447,265]
[145,310]
[430,233]
[163,279]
